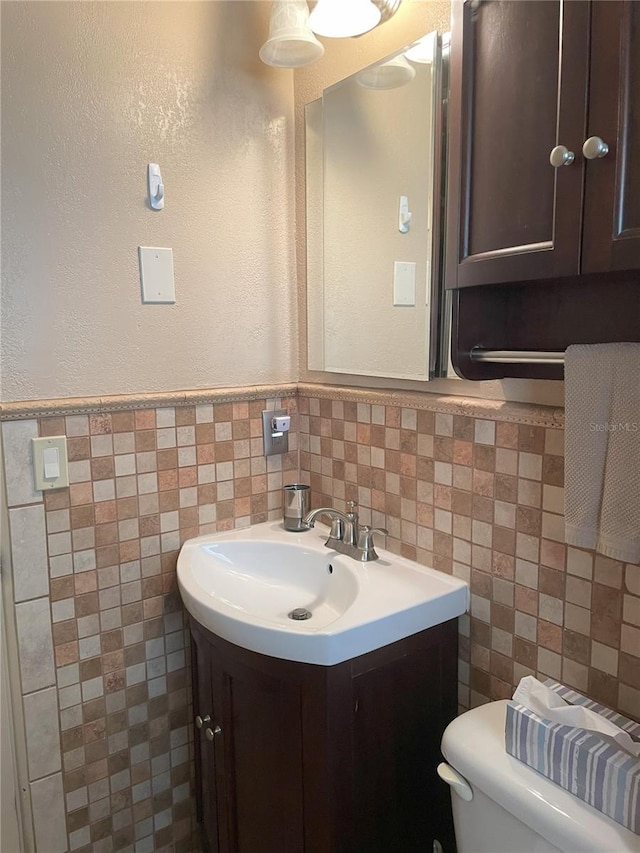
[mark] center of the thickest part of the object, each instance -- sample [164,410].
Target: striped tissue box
[591,767]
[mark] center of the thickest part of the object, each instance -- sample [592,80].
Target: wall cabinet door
[612,187]
[518,89]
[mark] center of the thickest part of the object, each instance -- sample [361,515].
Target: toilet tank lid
[474,745]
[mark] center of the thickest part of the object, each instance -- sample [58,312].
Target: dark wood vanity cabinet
[299,758]
[527,77]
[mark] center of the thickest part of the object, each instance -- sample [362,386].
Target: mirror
[373,157]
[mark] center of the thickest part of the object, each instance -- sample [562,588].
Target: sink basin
[243,585]
[265,580]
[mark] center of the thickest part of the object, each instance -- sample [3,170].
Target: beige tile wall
[482,498]
[103,648]
[101,633]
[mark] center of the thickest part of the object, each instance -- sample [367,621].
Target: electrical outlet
[274,441]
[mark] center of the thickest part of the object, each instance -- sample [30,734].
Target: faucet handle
[351,506]
[365,542]
[367,532]
[337,529]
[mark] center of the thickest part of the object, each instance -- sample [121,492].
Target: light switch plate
[39,445]
[156,274]
[404,283]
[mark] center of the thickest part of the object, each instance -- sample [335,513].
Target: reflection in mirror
[373,199]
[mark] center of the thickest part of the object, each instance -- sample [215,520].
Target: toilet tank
[482,826]
[514,809]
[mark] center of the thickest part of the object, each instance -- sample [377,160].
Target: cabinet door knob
[561,156]
[594,148]
[202,721]
[211,733]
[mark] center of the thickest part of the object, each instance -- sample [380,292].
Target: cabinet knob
[211,733]
[594,148]
[202,721]
[561,156]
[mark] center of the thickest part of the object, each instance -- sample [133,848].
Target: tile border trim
[123,402]
[498,410]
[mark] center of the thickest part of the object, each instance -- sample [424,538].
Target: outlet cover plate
[274,444]
[156,275]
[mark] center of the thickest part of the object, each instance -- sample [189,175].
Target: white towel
[602,449]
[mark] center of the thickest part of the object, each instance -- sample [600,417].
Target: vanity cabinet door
[612,196]
[518,90]
[401,705]
[249,765]
[205,744]
[262,802]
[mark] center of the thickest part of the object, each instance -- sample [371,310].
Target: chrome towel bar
[507,356]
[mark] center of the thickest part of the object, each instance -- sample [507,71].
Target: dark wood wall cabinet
[543,221]
[299,758]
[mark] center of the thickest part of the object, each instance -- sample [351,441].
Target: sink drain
[298,614]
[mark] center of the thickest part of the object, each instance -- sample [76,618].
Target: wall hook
[156,187]
[404,216]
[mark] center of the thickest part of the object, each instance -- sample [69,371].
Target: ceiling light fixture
[388,8]
[337,19]
[291,44]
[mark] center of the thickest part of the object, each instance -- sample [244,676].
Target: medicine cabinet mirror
[374,152]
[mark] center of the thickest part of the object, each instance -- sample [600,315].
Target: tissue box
[591,767]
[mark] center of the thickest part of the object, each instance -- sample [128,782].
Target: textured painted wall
[91,93]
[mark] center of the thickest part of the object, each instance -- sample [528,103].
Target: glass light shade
[344,18]
[389,75]
[388,8]
[423,50]
[291,44]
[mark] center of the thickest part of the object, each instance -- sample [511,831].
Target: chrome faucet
[347,536]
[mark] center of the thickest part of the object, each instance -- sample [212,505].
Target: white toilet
[502,806]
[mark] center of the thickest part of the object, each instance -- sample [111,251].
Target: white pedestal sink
[242,586]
